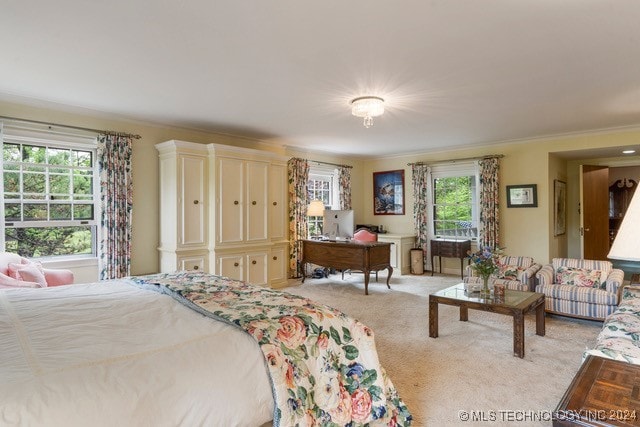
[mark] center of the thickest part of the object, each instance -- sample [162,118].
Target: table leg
[390,269]
[464,314]
[433,318]
[302,266]
[433,265]
[540,326]
[462,268]
[518,334]
[366,282]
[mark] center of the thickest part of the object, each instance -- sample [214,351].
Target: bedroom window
[49,198]
[322,185]
[455,201]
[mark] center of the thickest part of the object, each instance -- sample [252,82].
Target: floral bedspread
[323,364]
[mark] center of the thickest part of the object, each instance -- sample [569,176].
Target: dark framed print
[559,207]
[522,196]
[388,192]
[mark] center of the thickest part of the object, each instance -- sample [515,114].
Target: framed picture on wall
[559,207]
[522,196]
[388,192]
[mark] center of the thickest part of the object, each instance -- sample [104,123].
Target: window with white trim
[454,201]
[50,198]
[322,185]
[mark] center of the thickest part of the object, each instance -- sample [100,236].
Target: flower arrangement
[485,261]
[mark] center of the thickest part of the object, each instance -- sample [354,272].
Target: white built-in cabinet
[400,250]
[223,210]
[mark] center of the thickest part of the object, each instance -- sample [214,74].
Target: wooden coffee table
[515,304]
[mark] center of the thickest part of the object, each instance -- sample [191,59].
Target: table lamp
[626,245]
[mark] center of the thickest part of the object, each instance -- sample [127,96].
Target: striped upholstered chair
[516,272]
[580,287]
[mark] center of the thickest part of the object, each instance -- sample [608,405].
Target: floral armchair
[20,272]
[515,272]
[581,288]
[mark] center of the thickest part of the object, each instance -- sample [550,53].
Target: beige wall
[525,231]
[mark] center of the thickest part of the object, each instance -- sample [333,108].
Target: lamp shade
[315,208]
[626,245]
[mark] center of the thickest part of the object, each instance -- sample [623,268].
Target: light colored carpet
[470,366]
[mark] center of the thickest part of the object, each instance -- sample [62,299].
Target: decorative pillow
[31,272]
[579,277]
[509,272]
[10,282]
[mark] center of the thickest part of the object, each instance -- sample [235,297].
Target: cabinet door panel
[192,203]
[230,226]
[277,265]
[278,189]
[257,268]
[231,266]
[256,202]
[192,263]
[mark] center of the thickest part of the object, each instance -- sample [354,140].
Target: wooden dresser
[449,248]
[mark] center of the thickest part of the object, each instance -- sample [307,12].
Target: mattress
[111,353]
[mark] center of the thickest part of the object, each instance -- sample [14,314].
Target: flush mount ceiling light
[367,107]
[628,151]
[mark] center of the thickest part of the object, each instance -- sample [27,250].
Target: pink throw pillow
[31,272]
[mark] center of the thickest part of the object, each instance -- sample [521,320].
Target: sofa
[19,272]
[582,288]
[619,338]
[515,272]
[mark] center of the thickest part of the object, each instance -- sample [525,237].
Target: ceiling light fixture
[367,107]
[628,151]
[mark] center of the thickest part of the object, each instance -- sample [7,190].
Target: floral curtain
[345,187]
[298,171]
[489,202]
[421,176]
[116,199]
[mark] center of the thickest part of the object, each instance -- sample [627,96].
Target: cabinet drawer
[195,263]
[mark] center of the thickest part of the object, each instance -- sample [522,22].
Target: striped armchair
[516,272]
[581,288]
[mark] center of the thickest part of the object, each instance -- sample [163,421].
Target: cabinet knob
[235,264]
[275,203]
[195,202]
[275,258]
[254,262]
[254,203]
[235,202]
[195,267]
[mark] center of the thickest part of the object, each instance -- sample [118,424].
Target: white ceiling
[453,72]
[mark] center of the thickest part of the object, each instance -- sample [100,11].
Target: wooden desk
[604,392]
[449,248]
[363,256]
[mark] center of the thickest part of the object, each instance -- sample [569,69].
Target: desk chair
[363,235]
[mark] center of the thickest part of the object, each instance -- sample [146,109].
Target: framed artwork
[522,196]
[559,207]
[388,192]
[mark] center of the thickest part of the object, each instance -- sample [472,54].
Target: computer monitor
[338,224]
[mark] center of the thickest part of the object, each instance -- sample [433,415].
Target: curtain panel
[489,202]
[116,200]
[345,187]
[298,174]
[421,176]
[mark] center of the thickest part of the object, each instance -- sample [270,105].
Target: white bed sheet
[109,354]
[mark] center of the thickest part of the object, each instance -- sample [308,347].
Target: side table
[449,248]
[604,392]
[635,279]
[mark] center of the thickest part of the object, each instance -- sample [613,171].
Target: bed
[185,349]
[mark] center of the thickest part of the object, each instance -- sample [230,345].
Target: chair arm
[469,271]
[545,275]
[58,276]
[530,272]
[614,280]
